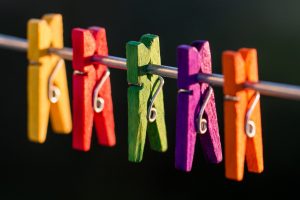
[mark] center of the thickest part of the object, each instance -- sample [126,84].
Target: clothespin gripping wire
[267,88]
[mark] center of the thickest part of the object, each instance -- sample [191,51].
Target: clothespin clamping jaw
[243,134]
[145,98]
[47,81]
[92,101]
[196,109]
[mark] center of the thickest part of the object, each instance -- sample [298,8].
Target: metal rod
[65,53]
[279,90]
[13,43]
[112,62]
[211,79]
[264,87]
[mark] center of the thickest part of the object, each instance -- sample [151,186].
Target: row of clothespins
[93,105]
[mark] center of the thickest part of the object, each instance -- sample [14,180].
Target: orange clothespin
[47,82]
[243,134]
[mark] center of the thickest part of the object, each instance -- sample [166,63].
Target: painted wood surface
[43,34]
[239,67]
[86,44]
[141,88]
[254,146]
[192,60]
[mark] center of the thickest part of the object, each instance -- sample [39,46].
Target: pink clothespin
[196,109]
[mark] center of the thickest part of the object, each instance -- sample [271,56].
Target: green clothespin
[145,98]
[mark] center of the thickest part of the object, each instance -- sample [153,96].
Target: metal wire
[266,88]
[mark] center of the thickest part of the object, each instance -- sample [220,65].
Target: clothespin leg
[60,112]
[38,102]
[210,141]
[138,95]
[104,120]
[234,115]
[39,37]
[136,130]
[105,128]
[254,150]
[156,130]
[83,86]
[187,58]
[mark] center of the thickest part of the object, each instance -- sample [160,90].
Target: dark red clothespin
[92,101]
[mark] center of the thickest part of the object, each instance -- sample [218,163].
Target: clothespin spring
[250,127]
[152,112]
[99,101]
[53,91]
[201,122]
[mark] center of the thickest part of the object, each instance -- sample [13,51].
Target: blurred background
[53,170]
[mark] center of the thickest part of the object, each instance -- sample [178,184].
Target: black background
[55,171]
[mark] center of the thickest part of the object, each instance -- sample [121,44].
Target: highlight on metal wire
[54,91]
[201,122]
[250,127]
[231,98]
[152,112]
[184,91]
[99,101]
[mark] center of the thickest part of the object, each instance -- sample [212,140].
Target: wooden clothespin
[243,134]
[145,98]
[47,81]
[196,109]
[92,99]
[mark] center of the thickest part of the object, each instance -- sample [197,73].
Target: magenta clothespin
[196,109]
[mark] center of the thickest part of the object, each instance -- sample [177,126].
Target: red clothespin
[92,99]
[242,118]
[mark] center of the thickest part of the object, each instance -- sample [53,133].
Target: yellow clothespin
[47,81]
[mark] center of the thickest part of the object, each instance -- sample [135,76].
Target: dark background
[55,171]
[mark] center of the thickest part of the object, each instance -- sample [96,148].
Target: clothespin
[92,99]
[243,134]
[145,98]
[196,109]
[47,81]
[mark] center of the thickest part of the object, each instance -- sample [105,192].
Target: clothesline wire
[266,88]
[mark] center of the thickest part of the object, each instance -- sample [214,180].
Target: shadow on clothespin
[47,81]
[92,101]
[196,109]
[145,98]
[242,117]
